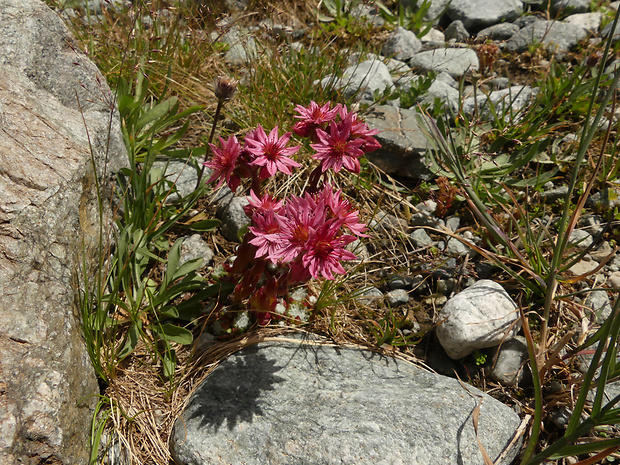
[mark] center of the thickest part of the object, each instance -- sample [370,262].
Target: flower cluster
[293,240]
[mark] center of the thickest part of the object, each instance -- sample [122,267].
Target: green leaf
[204,225]
[169,312]
[132,338]
[155,113]
[174,256]
[175,333]
[169,363]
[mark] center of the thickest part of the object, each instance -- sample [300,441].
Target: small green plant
[389,329]
[479,357]
[339,10]
[410,16]
[128,307]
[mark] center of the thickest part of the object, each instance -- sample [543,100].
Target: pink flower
[337,149]
[270,151]
[341,210]
[360,130]
[313,117]
[224,162]
[266,229]
[262,204]
[302,218]
[325,249]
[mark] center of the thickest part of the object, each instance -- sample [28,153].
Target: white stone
[480,316]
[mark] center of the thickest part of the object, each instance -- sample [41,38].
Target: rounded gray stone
[481,316]
[555,36]
[397,297]
[285,403]
[195,247]
[598,302]
[478,14]
[401,45]
[233,218]
[509,368]
[420,238]
[454,61]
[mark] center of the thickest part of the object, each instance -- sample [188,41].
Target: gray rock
[362,80]
[447,94]
[555,194]
[480,316]
[454,61]
[585,266]
[560,416]
[434,13]
[360,250]
[570,6]
[504,103]
[397,66]
[456,31]
[369,14]
[387,222]
[433,38]
[614,279]
[420,238]
[445,286]
[182,175]
[509,368]
[456,247]
[403,143]
[400,282]
[604,199]
[424,215]
[502,31]
[589,21]
[369,296]
[401,45]
[195,247]
[282,403]
[607,30]
[580,239]
[50,92]
[453,223]
[233,218]
[397,297]
[242,46]
[555,36]
[591,223]
[478,14]
[598,302]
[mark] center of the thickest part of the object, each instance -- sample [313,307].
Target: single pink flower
[337,149]
[262,204]
[301,219]
[224,162]
[266,230]
[270,151]
[325,249]
[341,210]
[360,130]
[313,117]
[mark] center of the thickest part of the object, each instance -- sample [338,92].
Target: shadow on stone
[232,392]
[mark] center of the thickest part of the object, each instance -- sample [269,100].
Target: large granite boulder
[285,402]
[55,112]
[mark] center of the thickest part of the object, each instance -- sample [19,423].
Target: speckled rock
[283,403]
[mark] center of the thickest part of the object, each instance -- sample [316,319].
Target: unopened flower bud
[225,88]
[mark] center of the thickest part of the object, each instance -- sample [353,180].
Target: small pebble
[397,297]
